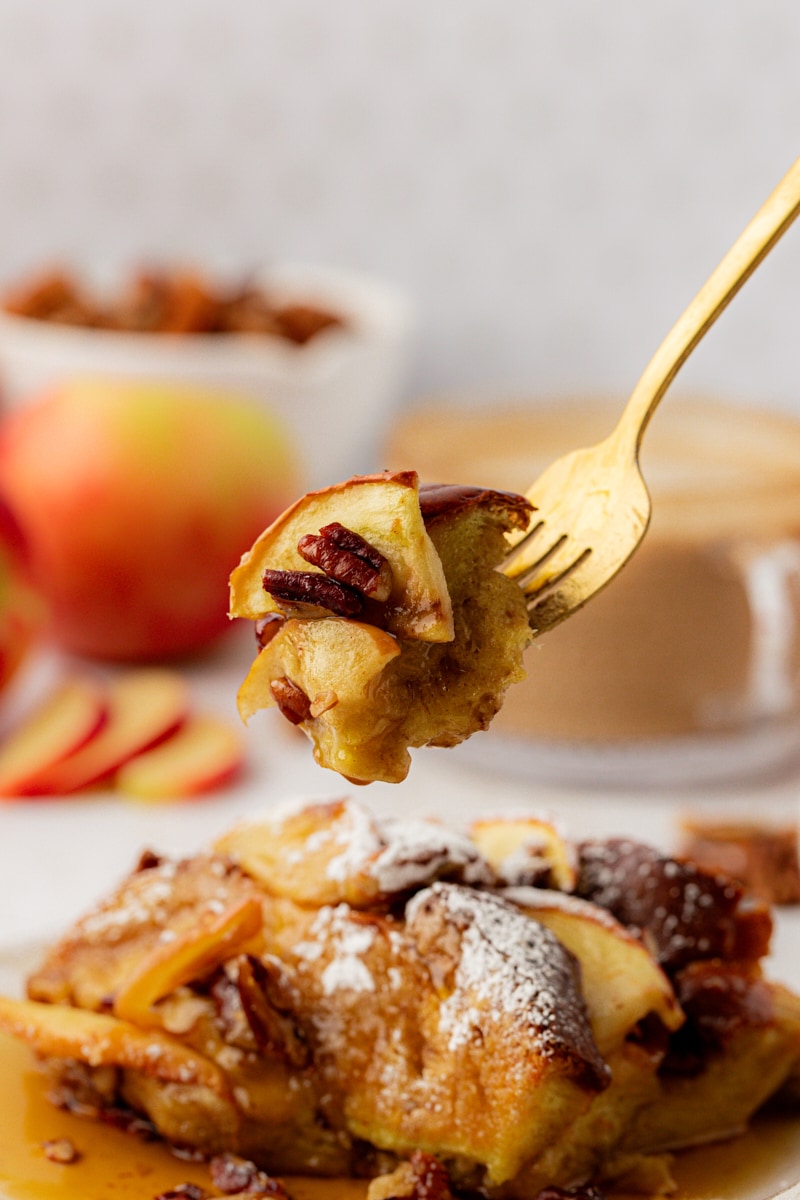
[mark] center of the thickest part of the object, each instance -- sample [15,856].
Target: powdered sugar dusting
[510,968]
[146,901]
[401,853]
[347,972]
[347,941]
[357,832]
[416,851]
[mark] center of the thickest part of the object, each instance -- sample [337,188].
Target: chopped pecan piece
[262,990]
[236,1176]
[184,1191]
[422,1177]
[291,700]
[301,588]
[148,860]
[584,1191]
[267,627]
[61,1150]
[348,558]
[253,1012]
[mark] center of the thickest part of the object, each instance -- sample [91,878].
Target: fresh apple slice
[64,722]
[384,510]
[143,708]
[205,752]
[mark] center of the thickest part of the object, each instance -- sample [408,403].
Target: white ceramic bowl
[334,393]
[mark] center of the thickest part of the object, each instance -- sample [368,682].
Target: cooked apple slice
[66,720]
[60,1031]
[204,753]
[294,853]
[192,955]
[297,672]
[382,509]
[338,852]
[143,707]
[622,982]
[526,850]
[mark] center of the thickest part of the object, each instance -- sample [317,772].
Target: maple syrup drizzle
[114,1165]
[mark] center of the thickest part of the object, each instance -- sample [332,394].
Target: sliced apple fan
[138,734]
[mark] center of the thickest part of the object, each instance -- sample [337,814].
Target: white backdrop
[549,181]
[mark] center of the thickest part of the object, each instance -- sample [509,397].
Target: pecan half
[291,700]
[253,1010]
[298,588]
[347,557]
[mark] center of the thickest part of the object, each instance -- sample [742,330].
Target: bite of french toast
[382,619]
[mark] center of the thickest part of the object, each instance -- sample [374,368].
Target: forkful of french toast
[391,615]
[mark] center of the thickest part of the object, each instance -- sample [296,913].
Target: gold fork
[592,506]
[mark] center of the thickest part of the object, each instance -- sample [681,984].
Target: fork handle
[753,245]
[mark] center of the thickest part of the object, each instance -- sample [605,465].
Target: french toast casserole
[332,993]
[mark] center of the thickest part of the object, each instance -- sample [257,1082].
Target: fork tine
[530,568]
[552,601]
[534,591]
[520,545]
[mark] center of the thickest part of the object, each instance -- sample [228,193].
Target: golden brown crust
[438,500]
[147,915]
[683,912]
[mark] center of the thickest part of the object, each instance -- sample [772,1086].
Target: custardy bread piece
[383,620]
[331,992]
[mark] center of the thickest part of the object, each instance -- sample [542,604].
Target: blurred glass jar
[687,667]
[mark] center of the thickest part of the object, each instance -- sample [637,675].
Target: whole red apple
[136,500]
[21,608]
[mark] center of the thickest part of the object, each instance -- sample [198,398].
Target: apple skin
[21,607]
[136,500]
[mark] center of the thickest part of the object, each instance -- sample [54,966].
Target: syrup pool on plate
[114,1165]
